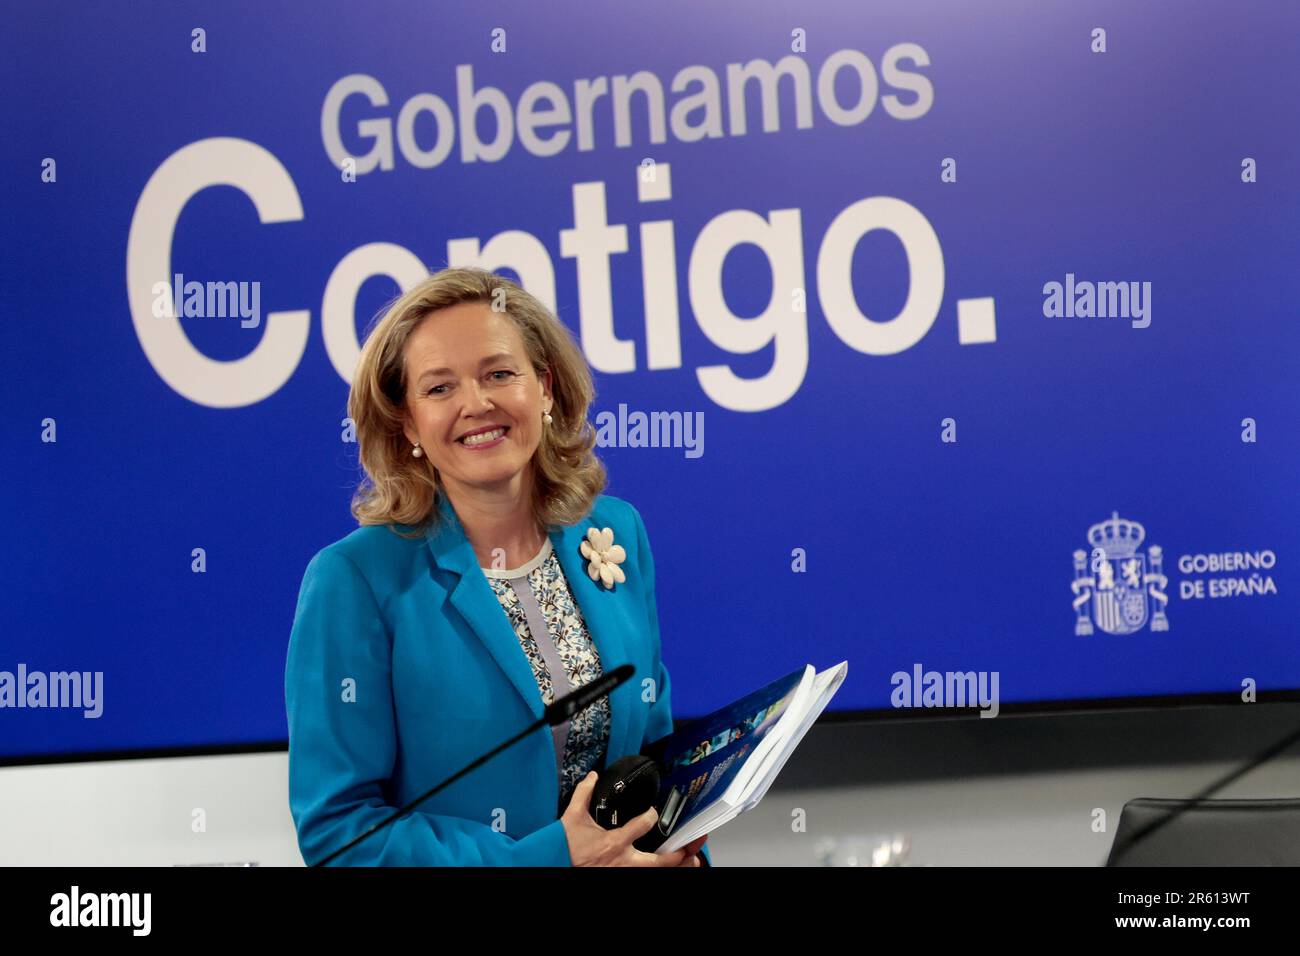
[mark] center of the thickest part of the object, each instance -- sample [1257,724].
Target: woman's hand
[693,852]
[590,844]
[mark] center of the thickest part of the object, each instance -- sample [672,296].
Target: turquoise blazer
[403,667]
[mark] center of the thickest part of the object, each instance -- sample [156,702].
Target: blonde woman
[474,593]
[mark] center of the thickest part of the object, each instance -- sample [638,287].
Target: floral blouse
[559,647]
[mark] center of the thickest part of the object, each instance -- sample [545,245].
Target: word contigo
[591,242]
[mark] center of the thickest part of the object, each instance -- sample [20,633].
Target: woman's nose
[478,400]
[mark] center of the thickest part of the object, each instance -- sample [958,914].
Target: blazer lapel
[604,613]
[607,619]
[473,597]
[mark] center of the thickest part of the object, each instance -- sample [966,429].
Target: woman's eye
[501,371]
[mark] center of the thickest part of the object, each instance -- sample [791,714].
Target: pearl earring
[546,417]
[417,451]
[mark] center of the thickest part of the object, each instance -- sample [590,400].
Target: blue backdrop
[878,481]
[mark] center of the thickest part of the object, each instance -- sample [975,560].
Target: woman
[489,576]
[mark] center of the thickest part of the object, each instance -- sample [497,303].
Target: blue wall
[812,325]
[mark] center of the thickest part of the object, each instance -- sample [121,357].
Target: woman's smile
[483,440]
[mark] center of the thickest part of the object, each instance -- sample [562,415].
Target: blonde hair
[399,489]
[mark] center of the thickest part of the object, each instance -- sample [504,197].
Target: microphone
[570,704]
[556,713]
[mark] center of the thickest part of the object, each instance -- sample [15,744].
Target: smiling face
[468,371]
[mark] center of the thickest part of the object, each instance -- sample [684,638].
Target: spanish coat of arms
[1116,587]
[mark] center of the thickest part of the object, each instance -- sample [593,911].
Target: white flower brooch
[604,556]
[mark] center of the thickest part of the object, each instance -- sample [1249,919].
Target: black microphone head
[579,700]
[622,672]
